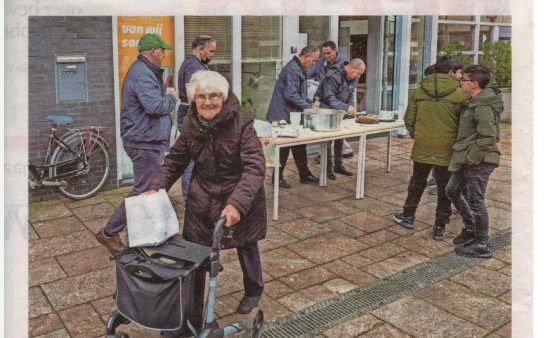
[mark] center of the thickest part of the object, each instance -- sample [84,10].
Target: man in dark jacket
[203,47]
[337,92]
[220,137]
[475,156]
[290,94]
[431,118]
[145,127]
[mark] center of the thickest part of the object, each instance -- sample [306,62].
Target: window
[460,34]
[496,18]
[455,18]
[416,51]
[316,28]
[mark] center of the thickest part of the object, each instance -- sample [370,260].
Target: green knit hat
[150,41]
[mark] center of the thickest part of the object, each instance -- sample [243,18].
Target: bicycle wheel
[82,173]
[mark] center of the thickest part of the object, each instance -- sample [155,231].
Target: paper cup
[295,119]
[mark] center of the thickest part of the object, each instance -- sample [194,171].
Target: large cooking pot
[323,119]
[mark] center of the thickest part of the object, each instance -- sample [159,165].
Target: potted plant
[497,57]
[453,48]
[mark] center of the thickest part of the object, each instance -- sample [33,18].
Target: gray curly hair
[207,80]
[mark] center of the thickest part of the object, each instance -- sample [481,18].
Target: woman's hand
[232,215]
[149,192]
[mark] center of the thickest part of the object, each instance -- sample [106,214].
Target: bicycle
[78,166]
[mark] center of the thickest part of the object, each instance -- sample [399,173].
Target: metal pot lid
[323,111]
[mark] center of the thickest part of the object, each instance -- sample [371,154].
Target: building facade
[251,51]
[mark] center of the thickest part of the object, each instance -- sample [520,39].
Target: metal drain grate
[326,314]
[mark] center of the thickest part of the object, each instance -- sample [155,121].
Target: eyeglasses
[461,80]
[211,97]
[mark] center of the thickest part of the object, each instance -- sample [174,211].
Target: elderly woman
[227,178]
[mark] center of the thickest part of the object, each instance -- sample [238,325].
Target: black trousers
[417,184]
[336,160]
[471,207]
[299,154]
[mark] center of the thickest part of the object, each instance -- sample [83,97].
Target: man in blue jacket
[203,47]
[290,94]
[337,92]
[145,127]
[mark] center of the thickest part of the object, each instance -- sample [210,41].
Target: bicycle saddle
[60,119]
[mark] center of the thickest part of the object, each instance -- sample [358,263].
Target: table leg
[323,164]
[276,184]
[361,167]
[388,154]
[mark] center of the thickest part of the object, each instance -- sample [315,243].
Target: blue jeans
[472,207]
[186,180]
[145,163]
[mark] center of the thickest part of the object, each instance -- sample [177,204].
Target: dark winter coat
[478,132]
[190,66]
[336,91]
[319,70]
[145,113]
[290,92]
[432,118]
[229,168]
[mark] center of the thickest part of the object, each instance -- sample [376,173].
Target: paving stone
[272,309]
[60,245]
[345,229]
[44,270]
[366,221]
[329,193]
[374,206]
[341,206]
[45,211]
[282,261]
[296,301]
[276,289]
[385,331]
[318,293]
[82,321]
[229,255]
[116,199]
[378,237]
[44,324]
[105,305]
[56,334]
[96,224]
[80,289]
[33,235]
[505,257]
[354,327]
[320,214]
[38,304]
[506,297]
[349,272]
[307,277]
[486,312]
[357,260]
[395,264]
[505,330]
[429,248]
[58,227]
[383,251]
[485,281]
[95,211]
[339,285]
[133,330]
[275,238]
[302,228]
[294,202]
[492,264]
[225,305]
[326,247]
[230,279]
[284,215]
[97,199]
[428,321]
[506,270]
[77,263]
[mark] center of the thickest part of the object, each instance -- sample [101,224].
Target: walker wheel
[258,324]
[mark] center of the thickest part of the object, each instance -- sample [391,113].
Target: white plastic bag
[151,219]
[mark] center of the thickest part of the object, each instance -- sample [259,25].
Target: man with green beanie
[431,118]
[145,127]
[475,156]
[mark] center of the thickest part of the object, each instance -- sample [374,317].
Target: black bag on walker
[154,294]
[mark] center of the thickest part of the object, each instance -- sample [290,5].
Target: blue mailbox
[71,78]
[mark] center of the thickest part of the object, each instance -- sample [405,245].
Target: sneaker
[309,179]
[474,249]
[438,233]
[464,237]
[113,243]
[405,221]
[247,304]
[282,183]
[342,170]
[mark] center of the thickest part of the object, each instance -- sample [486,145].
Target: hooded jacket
[336,91]
[478,132]
[290,92]
[145,113]
[432,118]
[229,169]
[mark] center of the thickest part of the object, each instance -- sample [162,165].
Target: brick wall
[57,35]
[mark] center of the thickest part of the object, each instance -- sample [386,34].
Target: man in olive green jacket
[475,156]
[431,119]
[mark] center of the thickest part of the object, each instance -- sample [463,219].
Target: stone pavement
[325,244]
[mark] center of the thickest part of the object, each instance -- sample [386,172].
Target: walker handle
[218,233]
